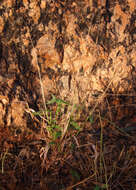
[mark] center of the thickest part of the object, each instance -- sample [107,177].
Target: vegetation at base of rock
[94,152]
[54,118]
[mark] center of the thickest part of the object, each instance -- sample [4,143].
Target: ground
[67,94]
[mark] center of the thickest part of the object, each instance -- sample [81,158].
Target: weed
[57,122]
[74,125]
[91,119]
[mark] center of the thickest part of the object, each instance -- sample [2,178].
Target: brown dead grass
[101,155]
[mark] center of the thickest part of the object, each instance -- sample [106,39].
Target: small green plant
[54,116]
[91,119]
[53,127]
[74,125]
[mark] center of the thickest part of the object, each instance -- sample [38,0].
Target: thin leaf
[57,100]
[91,119]
[97,188]
[56,135]
[75,125]
[52,101]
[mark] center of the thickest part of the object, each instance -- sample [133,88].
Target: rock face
[81,48]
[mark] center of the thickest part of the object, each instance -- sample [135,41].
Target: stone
[71,48]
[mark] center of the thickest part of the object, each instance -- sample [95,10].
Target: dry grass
[98,156]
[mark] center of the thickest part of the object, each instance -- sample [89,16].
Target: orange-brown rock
[81,48]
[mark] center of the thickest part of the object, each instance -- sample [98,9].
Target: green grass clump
[58,123]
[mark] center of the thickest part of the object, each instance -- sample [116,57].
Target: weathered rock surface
[81,47]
